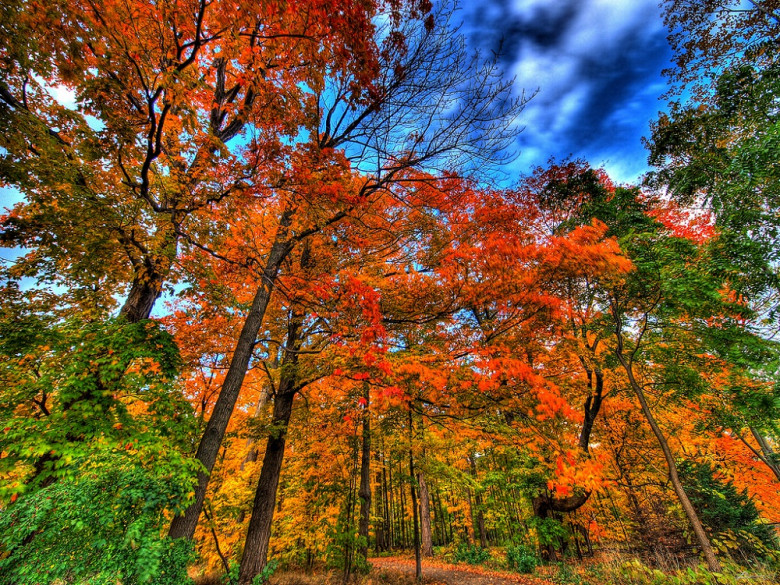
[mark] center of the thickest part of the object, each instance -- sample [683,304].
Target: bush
[342,552]
[471,554]
[520,558]
[102,527]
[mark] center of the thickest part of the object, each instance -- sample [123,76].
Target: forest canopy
[276,304]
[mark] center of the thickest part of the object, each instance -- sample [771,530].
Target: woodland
[272,307]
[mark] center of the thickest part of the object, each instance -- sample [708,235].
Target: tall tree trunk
[365,478]
[380,508]
[380,544]
[402,501]
[349,545]
[387,480]
[470,526]
[184,526]
[685,502]
[417,560]
[259,531]
[425,517]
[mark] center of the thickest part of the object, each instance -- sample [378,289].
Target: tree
[719,152]
[432,70]
[664,287]
[171,119]
[96,434]
[707,37]
[69,386]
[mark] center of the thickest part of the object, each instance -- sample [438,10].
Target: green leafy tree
[103,525]
[671,323]
[94,443]
[67,384]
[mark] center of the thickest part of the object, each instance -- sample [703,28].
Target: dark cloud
[499,26]
[597,65]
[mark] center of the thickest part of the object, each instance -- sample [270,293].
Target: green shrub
[471,554]
[102,527]
[521,558]
[231,578]
[549,531]
[342,552]
[635,572]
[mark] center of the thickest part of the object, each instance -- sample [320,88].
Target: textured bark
[415,524]
[592,406]
[184,526]
[393,507]
[150,271]
[144,292]
[380,505]
[402,508]
[389,505]
[259,531]
[425,517]
[364,493]
[545,504]
[685,502]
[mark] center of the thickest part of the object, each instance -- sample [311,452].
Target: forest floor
[439,573]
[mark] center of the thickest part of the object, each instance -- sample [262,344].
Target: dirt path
[438,573]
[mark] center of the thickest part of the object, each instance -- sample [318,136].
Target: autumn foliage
[265,312]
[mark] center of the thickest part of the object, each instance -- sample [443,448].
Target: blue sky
[597,65]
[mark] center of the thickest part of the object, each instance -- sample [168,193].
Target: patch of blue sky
[597,64]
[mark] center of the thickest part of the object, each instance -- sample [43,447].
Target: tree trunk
[390,511]
[380,544]
[417,560]
[184,526]
[402,500]
[365,479]
[690,512]
[425,517]
[144,291]
[151,269]
[259,531]
[592,406]
[470,527]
